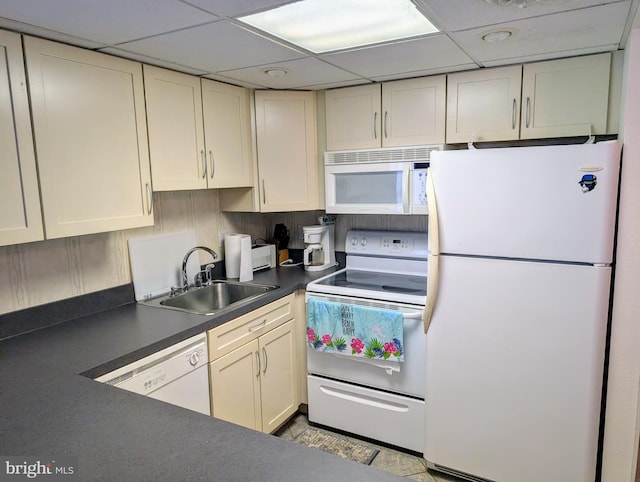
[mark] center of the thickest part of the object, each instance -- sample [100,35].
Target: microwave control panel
[405,244]
[419,191]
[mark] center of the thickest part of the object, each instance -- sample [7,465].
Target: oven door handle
[434,253]
[413,316]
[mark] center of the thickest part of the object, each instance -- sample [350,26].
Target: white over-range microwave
[377,181]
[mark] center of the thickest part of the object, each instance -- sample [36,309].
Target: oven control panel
[402,244]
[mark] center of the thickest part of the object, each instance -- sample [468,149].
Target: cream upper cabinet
[20,218]
[176,133]
[199,132]
[566,97]
[353,117]
[484,105]
[227,133]
[91,139]
[557,98]
[400,113]
[413,111]
[287,151]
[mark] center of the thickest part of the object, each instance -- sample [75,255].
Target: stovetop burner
[371,282]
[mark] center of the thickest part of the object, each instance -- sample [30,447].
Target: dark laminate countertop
[49,405]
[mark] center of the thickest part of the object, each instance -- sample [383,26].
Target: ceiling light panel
[330,25]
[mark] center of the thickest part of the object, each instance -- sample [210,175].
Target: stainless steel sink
[212,297]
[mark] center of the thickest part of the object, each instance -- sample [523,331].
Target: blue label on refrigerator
[588,182]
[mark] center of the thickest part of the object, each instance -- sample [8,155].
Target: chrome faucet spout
[185,279]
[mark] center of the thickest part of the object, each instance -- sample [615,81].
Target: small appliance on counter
[263,256]
[318,247]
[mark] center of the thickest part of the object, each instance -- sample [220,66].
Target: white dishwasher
[177,375]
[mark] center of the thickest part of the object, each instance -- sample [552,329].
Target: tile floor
[395,461]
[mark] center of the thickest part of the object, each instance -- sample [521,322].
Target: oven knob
[354,241]
[363,242]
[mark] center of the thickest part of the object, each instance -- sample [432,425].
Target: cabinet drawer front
[226,338]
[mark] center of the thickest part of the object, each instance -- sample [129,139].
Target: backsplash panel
[33,274]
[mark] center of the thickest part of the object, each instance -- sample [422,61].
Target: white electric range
[375,398]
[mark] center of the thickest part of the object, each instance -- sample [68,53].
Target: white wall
[621,423]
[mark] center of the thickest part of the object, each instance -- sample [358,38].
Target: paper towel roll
[237,256]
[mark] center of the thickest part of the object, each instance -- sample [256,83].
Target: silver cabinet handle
[528,110]
[258,362]
[204,163]
[513,115]
[375,127]
[149,199]
[264,354]
[264,194]
[385,124]
[258,325]
[213,167]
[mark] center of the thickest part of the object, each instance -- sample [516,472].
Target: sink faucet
[185,279]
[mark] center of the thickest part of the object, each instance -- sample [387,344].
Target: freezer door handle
[434,253]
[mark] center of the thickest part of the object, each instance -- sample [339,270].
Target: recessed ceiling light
[497,36]
[277,72]
[328,25]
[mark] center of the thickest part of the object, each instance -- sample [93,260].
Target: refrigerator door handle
[434,253]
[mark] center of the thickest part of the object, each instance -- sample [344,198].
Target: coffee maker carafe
[318,247]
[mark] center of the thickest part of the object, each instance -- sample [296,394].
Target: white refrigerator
[520,269]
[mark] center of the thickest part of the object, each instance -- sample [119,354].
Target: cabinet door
[484,105]
[20,218]
[235,386]
[413,111]
[278,385]
[287,150]
[227,126]
[353,118]
[566,97]
[91,139]
[176,136]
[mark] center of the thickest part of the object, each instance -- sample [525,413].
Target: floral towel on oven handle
[355,330]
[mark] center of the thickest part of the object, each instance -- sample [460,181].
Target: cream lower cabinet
[255,384]
[20,218]
[199,132]
[90,136]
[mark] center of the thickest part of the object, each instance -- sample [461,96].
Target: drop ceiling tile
[214,47]
[106,22]
[428,54]
[227,80]
[237,8]
[300,73]
[557,35]
[423,73]
[150,60]
[477,13]
[48,34]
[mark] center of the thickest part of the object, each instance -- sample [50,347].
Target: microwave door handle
[434,253]
[405,192]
